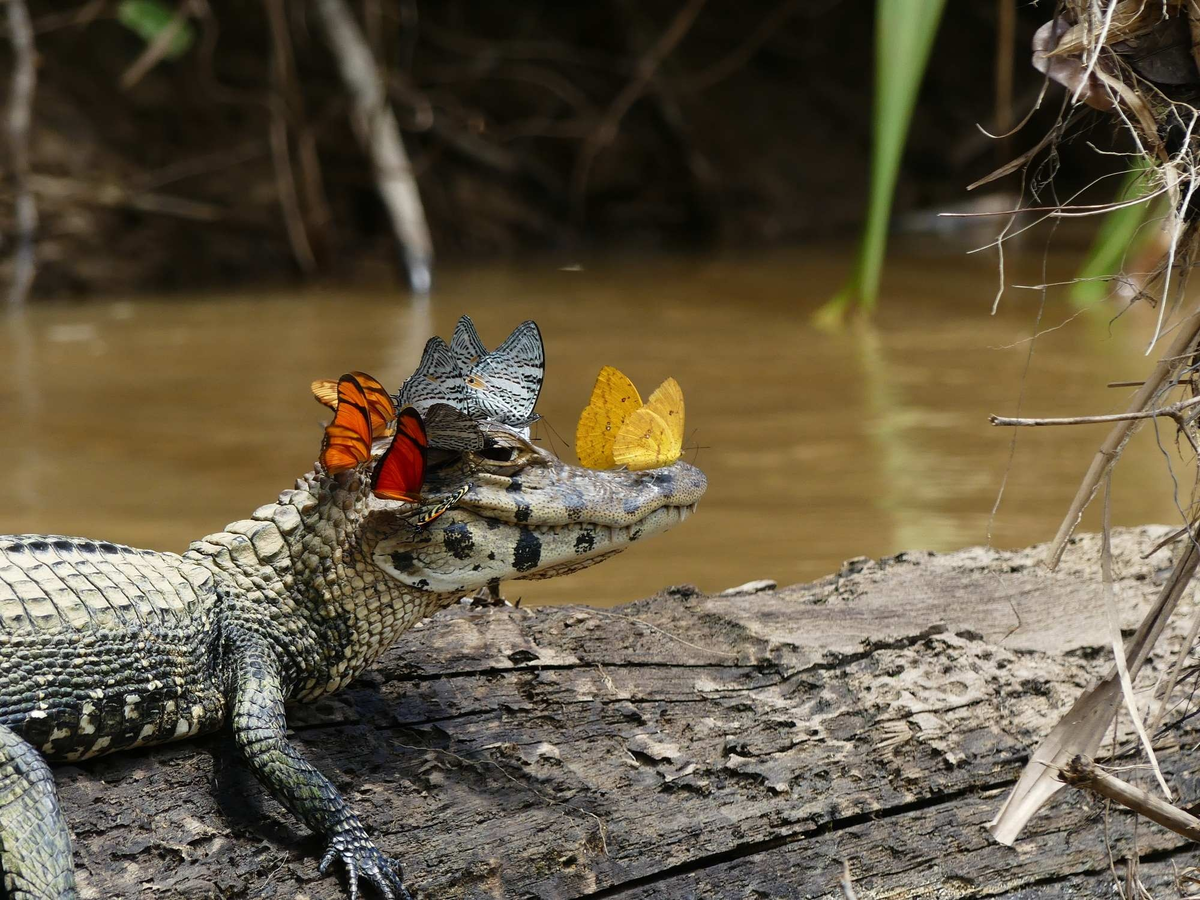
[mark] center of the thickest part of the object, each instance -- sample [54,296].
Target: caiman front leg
[35,845]
[259,727]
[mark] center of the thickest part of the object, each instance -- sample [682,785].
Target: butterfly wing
[505,384]
[347,440]
[465,346]
[428,513]
[399,474]
[379,404]
[452,429]
[667,401]
[325,390]
[614,399]
[645,441]
[437,379]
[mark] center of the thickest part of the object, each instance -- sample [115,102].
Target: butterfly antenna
[696,447]
[554,434]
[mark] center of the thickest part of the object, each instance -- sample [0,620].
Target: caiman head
[527,514]
[353,571]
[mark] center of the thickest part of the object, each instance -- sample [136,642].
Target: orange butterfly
[378,401]
[400,472]
[363,412]
[398,476]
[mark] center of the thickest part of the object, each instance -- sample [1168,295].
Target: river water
[155,421]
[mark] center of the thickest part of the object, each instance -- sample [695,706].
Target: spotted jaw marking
[463,552]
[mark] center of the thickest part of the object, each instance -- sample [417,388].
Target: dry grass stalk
[1089,49]
[1114,634]
[1177,668]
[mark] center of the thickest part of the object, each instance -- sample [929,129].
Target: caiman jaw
[545,520]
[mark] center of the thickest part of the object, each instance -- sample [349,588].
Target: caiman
[105,647]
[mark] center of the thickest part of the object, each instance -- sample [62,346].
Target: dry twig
[1174,411]
[606,132]
[1082,772]
[282,74]
[1164,372]
[378,131]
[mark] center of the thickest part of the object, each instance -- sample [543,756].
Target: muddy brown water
[155,421]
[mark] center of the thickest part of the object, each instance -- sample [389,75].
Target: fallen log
[688,745]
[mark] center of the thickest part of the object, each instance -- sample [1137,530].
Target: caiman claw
[364,860]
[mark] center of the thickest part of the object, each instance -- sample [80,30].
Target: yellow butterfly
[615,429]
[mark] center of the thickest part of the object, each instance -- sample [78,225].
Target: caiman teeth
[603,530]
[609,531]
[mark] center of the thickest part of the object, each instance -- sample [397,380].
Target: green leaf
[1120,233]
[904,32]
[149,18]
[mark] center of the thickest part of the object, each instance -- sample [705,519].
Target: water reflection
[153,422]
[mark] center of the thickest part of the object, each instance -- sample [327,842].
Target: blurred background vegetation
[229,155]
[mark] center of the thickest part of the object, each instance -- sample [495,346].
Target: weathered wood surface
[685,746]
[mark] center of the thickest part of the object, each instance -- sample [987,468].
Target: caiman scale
[105,647]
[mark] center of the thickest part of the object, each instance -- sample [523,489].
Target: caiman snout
[566,495]
[545,520]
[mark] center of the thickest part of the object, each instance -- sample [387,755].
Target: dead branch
[20,111]
[1083,773]
[1109,452]
[1175,411]
[116,196]
[200,165]
[285,181]
[379,134]
[75,18]
[671,111]
[744,52]
[609,126]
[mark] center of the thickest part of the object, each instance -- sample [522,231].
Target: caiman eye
[505,451]
[499,454]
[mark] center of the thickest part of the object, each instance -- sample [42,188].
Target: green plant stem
[1120,233]
[904,32]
